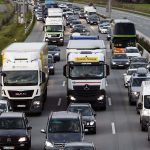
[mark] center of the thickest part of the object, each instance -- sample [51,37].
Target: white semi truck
[25,76]
[86,74]
[54,30]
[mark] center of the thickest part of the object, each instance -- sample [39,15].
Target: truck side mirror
[3,74]
[140,105]
[43,77]
[107,70]
[65,71]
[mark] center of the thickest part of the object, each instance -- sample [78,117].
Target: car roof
[65,115]
[80,104]
[11,115]
[79,144]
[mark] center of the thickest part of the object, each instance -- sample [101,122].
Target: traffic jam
[89,58]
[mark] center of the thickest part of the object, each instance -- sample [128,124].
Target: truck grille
[27,93]
[9,140]
[59,145]
[55,35]
[87,87]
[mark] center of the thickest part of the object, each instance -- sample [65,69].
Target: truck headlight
[56,54]
[100,98]
[48,144]
[46,39]
[36,103]
[113,63]
[22,139]
[72,98]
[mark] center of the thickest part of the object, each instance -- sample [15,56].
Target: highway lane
[118,127]
[142,22]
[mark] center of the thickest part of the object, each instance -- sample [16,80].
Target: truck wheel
[142,127]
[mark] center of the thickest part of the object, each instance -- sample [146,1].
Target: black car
[55,51]
[119,60]
[69,20]
[15,132]
[82,31]
[51,64]
[63,127]
[88,115]
[82,15]
[79,146]
[74,22]
[93,21]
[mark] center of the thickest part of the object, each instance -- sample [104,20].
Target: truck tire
[143,127]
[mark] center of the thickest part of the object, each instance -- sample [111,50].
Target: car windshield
[53,48]
[105,27]
[120,56]
[131,51]
[138,65]
[147,101]
[12,123]
[64,126]
[85,111]
[54,28]
[87,71]
[21,78]
[3,107]
[76,22]
[130,72]
[138,81]
[79,148]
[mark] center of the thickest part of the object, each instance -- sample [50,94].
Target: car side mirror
[43,131]
[140,106]
[29,128]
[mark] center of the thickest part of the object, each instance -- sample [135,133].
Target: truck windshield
[64,126]
[54,28]
[11,123]
[87,71]
[21,78]
[147,101]
[138,81]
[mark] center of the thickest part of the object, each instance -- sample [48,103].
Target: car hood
[122,60]
[64,137]
[88,118]
[14,132]
[136,89]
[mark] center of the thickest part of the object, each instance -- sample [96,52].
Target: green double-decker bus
[123,34]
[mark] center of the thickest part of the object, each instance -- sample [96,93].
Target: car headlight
[92,123]
[36,103]
[46,39]
[22,139]
[135,93]
[100,98]
[72,98]
[113,63]
[127,63]
[48,144]
[51,67]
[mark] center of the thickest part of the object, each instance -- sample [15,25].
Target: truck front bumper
[27,105]
[95,98]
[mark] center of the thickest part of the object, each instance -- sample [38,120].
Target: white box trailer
[55,12]
[84,43]
[25,76]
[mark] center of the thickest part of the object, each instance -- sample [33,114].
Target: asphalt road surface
[118,127]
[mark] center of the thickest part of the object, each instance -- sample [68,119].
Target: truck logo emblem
[20,94]
[86,87]
[8,139]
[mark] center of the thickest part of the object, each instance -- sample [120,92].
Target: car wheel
[94,131]
[142,127]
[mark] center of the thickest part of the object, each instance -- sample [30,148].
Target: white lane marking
[59,102]
[63,83]
[109,101]
[113,128]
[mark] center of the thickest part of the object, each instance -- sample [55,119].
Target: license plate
[54,41]
[86,130]
[22,106]
[120,65]
[8,147]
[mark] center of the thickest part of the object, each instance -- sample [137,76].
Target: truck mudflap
[96,98]
[27,105]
